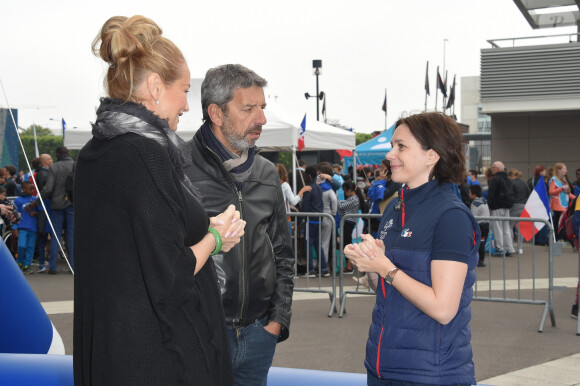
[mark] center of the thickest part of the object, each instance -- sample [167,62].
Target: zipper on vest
[382,330]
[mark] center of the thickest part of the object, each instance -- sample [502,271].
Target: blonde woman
[147,303]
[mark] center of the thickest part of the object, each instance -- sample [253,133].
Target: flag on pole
[324,106]
[301,134]
[441,84]
[537,206]
[344,153]
[427,88]
[63,129]
[35,142]
[451,100]
[385,102]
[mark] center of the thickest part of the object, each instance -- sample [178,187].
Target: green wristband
[218,240]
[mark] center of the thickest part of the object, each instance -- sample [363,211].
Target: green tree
[47,143]
[40,131]
[285,158]
[362,138]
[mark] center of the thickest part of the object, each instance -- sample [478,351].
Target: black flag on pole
[451,100]
[442,86]
[385,103]
[427,80]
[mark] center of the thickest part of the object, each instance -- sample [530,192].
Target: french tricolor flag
[301,134]
[537,207]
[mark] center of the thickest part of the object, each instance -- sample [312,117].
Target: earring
[157,101]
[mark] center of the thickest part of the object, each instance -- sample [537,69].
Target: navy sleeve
[453,238]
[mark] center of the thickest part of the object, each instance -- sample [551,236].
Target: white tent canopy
[279,134]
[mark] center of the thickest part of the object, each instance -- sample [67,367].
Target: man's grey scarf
[239,167]
[116,117]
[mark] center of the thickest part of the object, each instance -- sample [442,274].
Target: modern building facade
[530,87]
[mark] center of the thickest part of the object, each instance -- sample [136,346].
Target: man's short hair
[10,169]
[301,163]
[476,190]
[26,183]
[220,82]
[60,151]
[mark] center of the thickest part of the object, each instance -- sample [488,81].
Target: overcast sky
[48,70]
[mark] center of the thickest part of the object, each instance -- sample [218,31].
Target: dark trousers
[484,228]
[314,241]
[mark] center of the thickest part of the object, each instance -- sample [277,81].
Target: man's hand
[6,210]
[274,328]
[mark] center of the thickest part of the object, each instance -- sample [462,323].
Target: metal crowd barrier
[488,293]
[357,290]
[493,285]
[296,235]
[502,284]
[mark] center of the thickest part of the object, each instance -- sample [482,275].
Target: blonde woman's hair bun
[133,47]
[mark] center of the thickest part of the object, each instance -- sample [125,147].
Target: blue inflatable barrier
[281,376]
[57,370]
[36,369]
[24,326]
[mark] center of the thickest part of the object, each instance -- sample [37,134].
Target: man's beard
[236,141]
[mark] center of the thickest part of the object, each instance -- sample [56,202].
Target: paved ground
[508,350]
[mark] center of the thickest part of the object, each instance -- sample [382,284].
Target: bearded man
[255,276]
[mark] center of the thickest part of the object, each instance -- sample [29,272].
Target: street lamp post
[316,66]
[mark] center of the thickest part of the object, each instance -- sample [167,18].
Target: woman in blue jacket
[425,255]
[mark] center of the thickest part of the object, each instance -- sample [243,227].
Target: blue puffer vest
[404,343]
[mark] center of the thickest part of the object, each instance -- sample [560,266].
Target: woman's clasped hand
[229,226]
[369,255]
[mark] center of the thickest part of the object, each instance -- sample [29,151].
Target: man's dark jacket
[500,193]
[55,187]
[255,276]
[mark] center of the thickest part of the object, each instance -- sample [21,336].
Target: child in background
[479,208]
[25,205]
[354,202]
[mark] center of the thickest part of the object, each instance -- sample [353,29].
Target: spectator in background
[577,183]
[291,199]
[500,199]
[41,177]
[337,175]
[521,193]
[463,188]
[34,164]
[20,176]
[354,202]
[488,176]
[329,202]
[312,202]
[62,210]
[560,195]
[5,209]
[300,178]
[25,204]
[472,177]
[12,188]
[479,208]
[539,174]
[576,227]
[328,175]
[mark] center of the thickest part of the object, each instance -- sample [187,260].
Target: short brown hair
[441,133]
